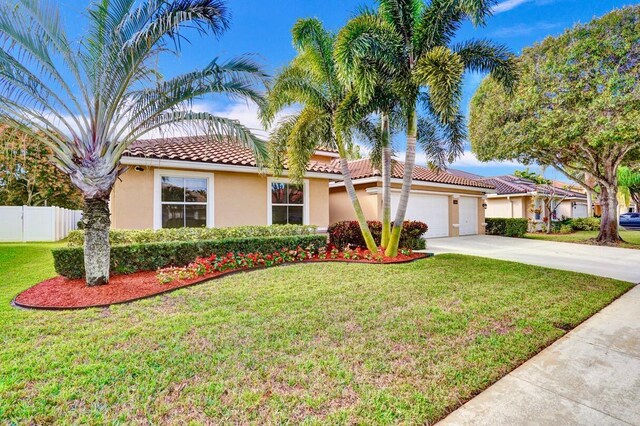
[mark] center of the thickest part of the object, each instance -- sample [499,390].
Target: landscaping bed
[64,293]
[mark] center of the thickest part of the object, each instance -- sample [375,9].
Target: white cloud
[507,5]
[245,113]
[525,29]
[468,159]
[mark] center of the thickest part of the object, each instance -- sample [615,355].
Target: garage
[468,215]
[430,209]
[580,210]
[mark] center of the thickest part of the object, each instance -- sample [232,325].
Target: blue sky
[263,27]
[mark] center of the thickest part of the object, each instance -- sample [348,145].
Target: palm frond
[486,56]
[441,71]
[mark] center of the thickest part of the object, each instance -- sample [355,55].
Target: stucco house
[516,197]
[188,181]
[451,205]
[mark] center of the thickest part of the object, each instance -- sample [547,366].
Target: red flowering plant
[233,261]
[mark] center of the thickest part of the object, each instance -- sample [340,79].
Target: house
[451,205]
[517,197]
[189,181]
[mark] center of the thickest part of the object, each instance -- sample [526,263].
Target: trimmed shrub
[506,227]
[347,234]
[130,258]
[585,224]
[135,236]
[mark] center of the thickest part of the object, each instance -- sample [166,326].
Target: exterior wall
[340,207]
[454,217]
[132,200]
[513,207]
[239,199]
[482,227]
[319,202]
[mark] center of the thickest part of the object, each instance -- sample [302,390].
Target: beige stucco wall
[132,200]
[340,207]
[319,202]
[513,207]
[239,199]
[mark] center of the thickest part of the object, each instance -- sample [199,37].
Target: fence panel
[10,223]
[28,223]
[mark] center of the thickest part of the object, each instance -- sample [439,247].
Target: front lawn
[631,238]
[321,343]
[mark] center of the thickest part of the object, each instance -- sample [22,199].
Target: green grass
[315,343]
[631,238]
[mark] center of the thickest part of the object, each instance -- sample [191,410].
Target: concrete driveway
[612,262]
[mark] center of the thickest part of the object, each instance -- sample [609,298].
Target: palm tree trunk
[386,181]
[409,163]
[362,221]
[97,251]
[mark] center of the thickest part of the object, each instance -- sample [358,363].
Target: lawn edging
[164,288]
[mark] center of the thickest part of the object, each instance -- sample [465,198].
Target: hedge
[130,258]
[506,227]
[348,234]
[585,224]
[135,236]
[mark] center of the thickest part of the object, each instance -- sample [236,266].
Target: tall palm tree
[89,100]
[310,80]
[407,45]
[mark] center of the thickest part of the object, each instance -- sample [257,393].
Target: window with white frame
[183,201]
[287,203]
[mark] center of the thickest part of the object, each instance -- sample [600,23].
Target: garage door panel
[468,215]
[431,209]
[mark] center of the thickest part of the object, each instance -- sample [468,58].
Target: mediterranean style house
[190,182]
[516,197]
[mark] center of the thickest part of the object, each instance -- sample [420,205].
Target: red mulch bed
[65,293]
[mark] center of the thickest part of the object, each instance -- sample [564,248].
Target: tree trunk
[362,221]
[589,203]
[548,213]
[97,251]
[409,163]
[386,181]
[609,233]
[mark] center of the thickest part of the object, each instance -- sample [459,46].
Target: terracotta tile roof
[201,149]
[508,184]
[363,169]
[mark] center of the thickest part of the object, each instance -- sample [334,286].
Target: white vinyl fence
[36,223]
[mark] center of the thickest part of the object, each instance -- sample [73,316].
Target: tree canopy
[576,107]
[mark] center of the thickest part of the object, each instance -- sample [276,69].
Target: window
[183,201]
[287,203]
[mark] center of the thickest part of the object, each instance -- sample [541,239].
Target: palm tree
[310,80]
[407,45]
[89,100]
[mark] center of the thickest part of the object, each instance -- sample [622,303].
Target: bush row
[134,236]
[347,234]
[585,224]
[506,227]
[127,259]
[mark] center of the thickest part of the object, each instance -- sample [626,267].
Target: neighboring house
[521,198]
[449,204]
[190,181]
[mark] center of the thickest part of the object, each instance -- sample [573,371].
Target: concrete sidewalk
[619,263]
[591,376]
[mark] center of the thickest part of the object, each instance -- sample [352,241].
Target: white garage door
[580,210]
[430,209]
[468,215]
